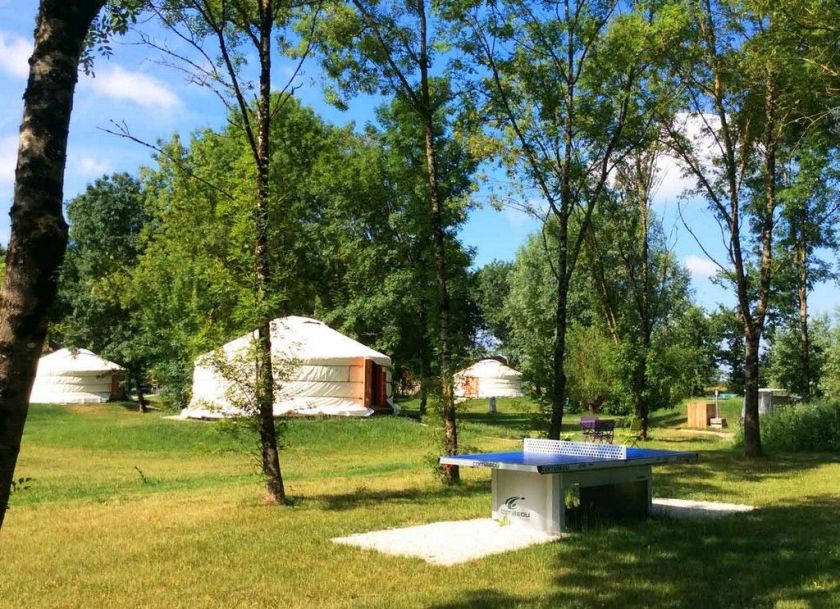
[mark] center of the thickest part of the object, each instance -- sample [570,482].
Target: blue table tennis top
[549,463]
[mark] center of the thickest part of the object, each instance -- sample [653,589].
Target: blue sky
[155,101]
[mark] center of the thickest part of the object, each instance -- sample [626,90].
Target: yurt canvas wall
[331,374]
[486,379]
[76,377]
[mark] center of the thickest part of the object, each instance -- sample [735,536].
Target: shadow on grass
[705,475]
[516,422]
[782,553]
[779,556]
[364,497]
[483,599]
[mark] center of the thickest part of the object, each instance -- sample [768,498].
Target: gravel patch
[449,543]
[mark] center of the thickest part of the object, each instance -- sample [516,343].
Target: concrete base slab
[684,508]
[449,543]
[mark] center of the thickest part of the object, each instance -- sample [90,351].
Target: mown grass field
[128,510]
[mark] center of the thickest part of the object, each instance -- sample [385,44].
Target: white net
[575,449]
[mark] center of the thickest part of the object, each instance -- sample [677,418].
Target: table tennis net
[576,449]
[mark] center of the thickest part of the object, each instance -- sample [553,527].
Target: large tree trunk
[275,490]
[39,232]
[752,436]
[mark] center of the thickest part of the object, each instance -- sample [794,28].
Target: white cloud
[8,158]
[136,87]
[88,166]
[672,183]
[700,268]
[14,55]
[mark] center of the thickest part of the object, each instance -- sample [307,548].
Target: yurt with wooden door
[329,374]
[488,378]
[76,377]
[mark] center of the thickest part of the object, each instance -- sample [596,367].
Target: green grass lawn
[129,510]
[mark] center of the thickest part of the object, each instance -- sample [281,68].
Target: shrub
[809,427]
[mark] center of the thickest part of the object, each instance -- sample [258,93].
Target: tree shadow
[779,553]
[364,497]
[482,599]
[701,477]
[779,556]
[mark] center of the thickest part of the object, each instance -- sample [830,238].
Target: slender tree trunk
[451,473]
[39,232]
[425,367]
[275,490]
[804,334]
[142,405]
[642,405]
[447,397]
[558,390]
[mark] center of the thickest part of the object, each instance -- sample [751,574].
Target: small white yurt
[76,377]
[488,378]
[331,374]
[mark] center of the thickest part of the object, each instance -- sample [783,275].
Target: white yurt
[330,374]
[488,378]
[76,377]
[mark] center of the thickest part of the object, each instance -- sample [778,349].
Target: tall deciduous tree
[560,80]
[741,90]
[105,225]
[39,233]
[636,282]
[381,279]
[235,29]
[807,231]
[389,47]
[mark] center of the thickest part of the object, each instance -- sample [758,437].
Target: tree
[105,226]
[389,48]
[807,228]
[380,282]
[593,364]
[560,82]
[236,28]
[635,279]
[786,366]
[739,91]
[39,232]
[491,290]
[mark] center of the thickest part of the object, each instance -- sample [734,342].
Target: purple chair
[587,426]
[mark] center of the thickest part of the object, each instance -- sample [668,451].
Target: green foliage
[377,237]
[785,357]
[803,428]
[727,331]
[830,381]
[348,238]
[491,287]
[94,310]
[592,367]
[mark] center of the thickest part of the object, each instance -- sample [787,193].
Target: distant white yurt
[488,378]
[76,377]
[332,374]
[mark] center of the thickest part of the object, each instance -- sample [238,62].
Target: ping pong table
[530,487]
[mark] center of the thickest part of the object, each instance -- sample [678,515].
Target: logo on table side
[511,508]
